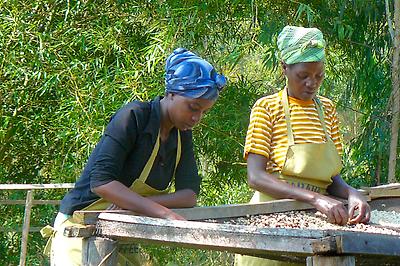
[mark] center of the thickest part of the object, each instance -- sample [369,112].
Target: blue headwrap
[191,76]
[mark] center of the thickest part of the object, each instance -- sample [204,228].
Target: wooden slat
[34,202]
[90,217]
[155,222]
[25,229]
[243,239]
[237,210]
[232,238]
[79,231]
[331,261]
[98,251]
[211,212]
[368,244]
[325,245]
[390,190]
[18,229]
[35,186]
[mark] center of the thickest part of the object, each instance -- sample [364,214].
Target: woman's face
[304,79]
[185,113]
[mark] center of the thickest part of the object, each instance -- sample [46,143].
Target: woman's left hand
[357,202]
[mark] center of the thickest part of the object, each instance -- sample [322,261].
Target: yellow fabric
[267,131]
[66,251]
[47,232]
[70,251]
[301,158]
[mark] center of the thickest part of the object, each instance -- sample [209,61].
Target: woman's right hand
[173,216]
[335,210]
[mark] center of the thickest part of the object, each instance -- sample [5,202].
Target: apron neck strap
[318,105]
[320,110]
[178,151]
[149,164]
[285,102]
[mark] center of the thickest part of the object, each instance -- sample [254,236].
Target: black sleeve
[119,138]
[186,175]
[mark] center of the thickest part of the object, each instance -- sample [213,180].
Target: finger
[367,216]
[344,217]
[356,219]
[364,215]
[352,211]
[179,217]
[338,216]
[330,216]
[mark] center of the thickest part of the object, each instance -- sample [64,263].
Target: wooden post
[331,261]
[99,251]
[25,228]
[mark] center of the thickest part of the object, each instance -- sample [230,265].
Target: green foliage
[67,66]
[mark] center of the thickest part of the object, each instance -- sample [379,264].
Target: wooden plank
[238,210]
[99,251]
[232,238]
[390,190]
[369,244]
[35,186]
[326,245]
[18,229]
[243,239]
[331,261]
[34,202]
[90,217]
[373,260]
[211,212]
[132,220]
[25,229]
[386,186]
[79,231]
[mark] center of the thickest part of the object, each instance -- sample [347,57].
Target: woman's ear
[284,67]
[169,95]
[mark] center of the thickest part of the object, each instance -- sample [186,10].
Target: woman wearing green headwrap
[293,144]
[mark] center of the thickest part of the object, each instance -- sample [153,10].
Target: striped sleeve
[258,139]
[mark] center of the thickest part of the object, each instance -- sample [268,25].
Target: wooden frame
[315,247]
[29,202]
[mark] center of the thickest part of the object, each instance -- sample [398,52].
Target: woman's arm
[356,201]
[264,182]
[124,198]
[185,198]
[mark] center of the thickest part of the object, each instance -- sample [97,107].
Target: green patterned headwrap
[299,45]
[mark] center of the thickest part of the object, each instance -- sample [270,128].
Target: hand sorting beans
[316,220]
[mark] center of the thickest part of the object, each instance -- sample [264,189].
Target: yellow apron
[68,250]
[310,166]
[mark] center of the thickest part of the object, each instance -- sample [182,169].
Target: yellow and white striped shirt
[267,132]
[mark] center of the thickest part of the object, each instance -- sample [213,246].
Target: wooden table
[314,247]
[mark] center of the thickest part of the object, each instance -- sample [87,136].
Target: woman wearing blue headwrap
[145,147]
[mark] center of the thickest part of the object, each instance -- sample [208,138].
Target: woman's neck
[165,121]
